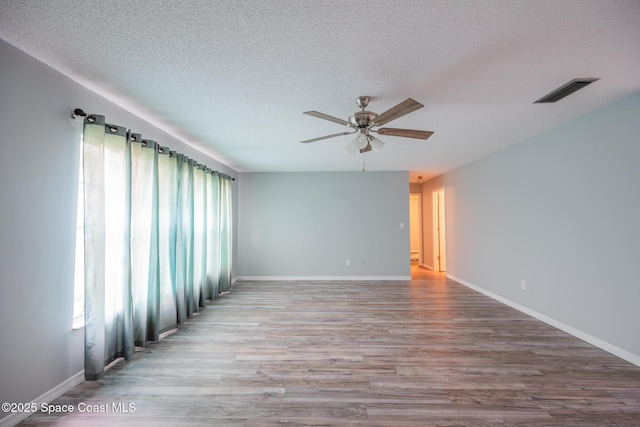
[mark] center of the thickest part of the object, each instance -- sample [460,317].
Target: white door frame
[439,230]
[418,222]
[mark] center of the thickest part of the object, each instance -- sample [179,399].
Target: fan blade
[405,107]
[326,137]
[407,133]
[327,117]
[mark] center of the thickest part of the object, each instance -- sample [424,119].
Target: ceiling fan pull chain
[364,163]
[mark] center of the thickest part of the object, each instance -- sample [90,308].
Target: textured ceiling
[233,77]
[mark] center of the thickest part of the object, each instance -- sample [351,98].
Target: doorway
[439,232]
[415,228]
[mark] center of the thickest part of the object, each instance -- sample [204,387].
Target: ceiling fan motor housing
[363,119]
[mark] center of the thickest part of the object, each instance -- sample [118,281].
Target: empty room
[303,213]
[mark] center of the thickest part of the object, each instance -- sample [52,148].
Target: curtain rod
[78,112]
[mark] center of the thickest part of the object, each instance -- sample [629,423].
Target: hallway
[421,273]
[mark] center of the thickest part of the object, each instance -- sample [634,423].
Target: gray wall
[561,211]
[308,224]
[38,185]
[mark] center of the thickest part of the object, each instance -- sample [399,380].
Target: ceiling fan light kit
[353,147]
[363,123]
[361,140]
[364,143]
[376,144]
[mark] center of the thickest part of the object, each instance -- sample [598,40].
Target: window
[144,269]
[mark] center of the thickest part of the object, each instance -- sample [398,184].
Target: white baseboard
[320,278]
[610,348]
[48,397]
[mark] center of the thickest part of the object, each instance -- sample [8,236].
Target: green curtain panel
[157,240]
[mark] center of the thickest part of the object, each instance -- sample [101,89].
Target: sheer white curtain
[167,221]
[108,303]
[184,239]
[213,213]
[157,240]
[144,241]
[225,233]
[199,236]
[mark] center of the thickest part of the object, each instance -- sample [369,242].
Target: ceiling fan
[363,123]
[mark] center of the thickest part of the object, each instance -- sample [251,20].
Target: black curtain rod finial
[75,116]
[78,113]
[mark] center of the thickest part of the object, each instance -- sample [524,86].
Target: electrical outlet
[523,285]
[347,262]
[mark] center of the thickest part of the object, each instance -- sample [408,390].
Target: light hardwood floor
[429,352]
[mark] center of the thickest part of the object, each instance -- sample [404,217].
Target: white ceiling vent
[566,89]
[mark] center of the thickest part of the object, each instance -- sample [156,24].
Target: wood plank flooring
[428,353]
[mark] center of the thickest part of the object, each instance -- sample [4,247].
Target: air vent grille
[566,89]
